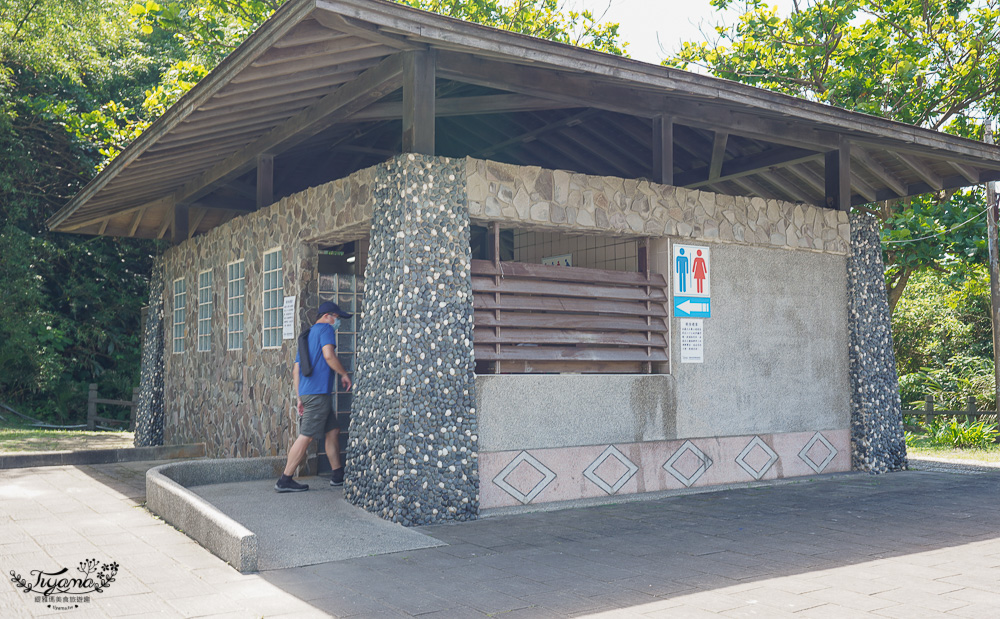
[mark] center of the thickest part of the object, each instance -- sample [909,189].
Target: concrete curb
[101,456]
[168,497]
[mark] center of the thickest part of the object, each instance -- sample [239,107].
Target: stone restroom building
[575,275]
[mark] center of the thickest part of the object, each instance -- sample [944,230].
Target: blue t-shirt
[321,380]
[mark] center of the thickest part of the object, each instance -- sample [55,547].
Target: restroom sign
[692,274]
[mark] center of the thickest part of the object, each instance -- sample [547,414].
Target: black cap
[329,307]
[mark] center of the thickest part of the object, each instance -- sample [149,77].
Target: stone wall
[149,412]
[878,445]
[240,402]
[538,198]
[412,454]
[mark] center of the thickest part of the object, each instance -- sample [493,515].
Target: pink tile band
[567,473]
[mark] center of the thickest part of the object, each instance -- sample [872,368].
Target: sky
[648,24]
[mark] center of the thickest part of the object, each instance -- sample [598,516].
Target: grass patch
[16,437]
[922,446]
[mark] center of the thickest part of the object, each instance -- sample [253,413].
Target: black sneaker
[289,486]
[337,477]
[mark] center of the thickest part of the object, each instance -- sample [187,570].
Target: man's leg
[296,454]
[333,448]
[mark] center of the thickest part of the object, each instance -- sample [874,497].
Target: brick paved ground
[914,544]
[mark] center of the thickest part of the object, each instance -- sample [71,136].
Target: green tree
[933,63]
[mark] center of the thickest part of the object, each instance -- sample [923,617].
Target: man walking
[314,401]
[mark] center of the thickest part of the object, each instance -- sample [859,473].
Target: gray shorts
[319,417]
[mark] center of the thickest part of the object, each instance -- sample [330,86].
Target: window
[180,304]
[205,311]
[236,288]
[273,299]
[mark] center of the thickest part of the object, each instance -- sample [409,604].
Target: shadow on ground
[913,541]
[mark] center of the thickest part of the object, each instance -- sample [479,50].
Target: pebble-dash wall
[412,455]
[877,442]
[149,413]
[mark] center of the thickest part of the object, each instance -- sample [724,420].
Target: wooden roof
[327,87]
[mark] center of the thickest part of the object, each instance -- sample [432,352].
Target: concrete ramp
[304,528]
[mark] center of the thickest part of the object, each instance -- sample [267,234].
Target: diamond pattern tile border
[547,477]
[756,442]
[611,452]
[804,453]
[687,480]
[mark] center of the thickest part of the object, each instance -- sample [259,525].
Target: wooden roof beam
[531,135]
[465,106]
[368,87]
[865,160]
[746,166]
[921,169]
[787,186]
[196,221]
[970,174]
[810,178]
[336,21]
[718,155]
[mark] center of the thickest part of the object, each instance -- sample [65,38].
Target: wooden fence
[537,318]
[971,411]
[93,401]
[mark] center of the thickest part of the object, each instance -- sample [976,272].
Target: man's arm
[332,360]
[295,381]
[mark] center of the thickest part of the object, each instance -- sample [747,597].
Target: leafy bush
[963,434]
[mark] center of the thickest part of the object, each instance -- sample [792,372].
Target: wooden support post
[970,408]
[838,177]
[663,150]
[265,180]
[418,102]
[92,407]
[133,409]
[994,262]
[179,232]
[928,409]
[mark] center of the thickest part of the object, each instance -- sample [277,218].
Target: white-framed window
[180,304]
[235,295]
[204,311]
[273,289]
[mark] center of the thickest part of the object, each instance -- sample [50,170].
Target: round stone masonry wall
[877,441]
[149,412]
[412,454]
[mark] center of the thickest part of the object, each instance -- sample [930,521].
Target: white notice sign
[288,319]
[692,340]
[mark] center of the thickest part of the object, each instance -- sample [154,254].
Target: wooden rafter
[921,169]
[718,155]
[199,214]
[527,136]
[790,188]
[748,165]
[352,96]
[867,161]
[970,174]
[464,106]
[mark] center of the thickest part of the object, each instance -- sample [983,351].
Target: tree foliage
[933,63]
[79,80]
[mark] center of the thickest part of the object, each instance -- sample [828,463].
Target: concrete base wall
[775,347]
[545,411]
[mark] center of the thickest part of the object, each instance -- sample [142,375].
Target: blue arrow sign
[692,307]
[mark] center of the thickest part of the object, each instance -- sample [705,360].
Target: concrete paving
[315,526]
[922,543]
